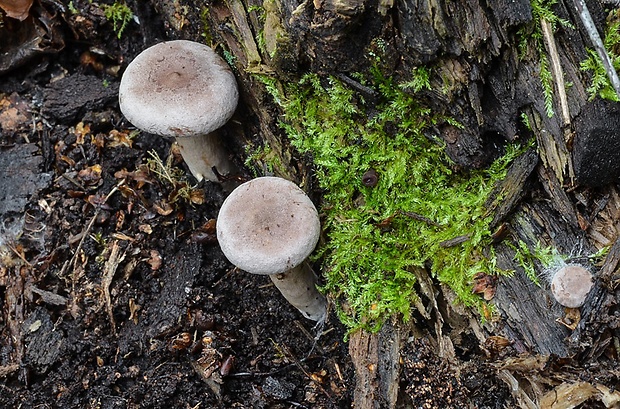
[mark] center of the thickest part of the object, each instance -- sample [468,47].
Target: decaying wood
[609,273]
[377,366]
[511,190]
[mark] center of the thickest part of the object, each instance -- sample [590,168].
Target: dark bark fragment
[20,177]
[597,144]
[72,97]
[43,343]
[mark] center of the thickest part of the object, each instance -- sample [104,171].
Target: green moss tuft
[120,15]
[378,236]
[600,84]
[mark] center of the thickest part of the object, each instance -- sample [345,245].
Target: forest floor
[115,293]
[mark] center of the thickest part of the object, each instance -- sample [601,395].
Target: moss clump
[378,236]
[600,84]
[120,15]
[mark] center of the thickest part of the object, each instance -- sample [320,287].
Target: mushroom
[185,90]
[269,226]
[571,284]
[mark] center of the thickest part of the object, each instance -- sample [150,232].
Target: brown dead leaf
[67,160]
[89,59]
[141,176]
[98,201]
[571,318]
[120,220]
[99,140]
[197,196]
[571,395]
[485,284]
[109,269]
[155,260]
[206,233]
[121,236]
[17,9]
[120,138]
[90,175]
[81,130]
[163,208]
[496,343]
[145,228]
[14,114]
[133,310]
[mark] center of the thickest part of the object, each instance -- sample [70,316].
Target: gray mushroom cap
[570,285]
[178,88]
[267,226]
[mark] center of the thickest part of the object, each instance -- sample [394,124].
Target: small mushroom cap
[267,226]
[571,284]
[178,88]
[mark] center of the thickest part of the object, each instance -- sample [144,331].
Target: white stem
[298,286]
[556,69]
[203,152]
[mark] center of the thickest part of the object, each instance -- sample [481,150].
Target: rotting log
[487,84]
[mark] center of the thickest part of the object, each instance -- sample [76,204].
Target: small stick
[556,69]
[307,333]
[74,259]
[586,19]
[297,362]
[109,270]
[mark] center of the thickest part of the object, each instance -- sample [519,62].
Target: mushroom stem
[201,153]
[298,286]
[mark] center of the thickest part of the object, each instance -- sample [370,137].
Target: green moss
[531,36]
[206,31]
[119,14]
[600,84]
[262,160]
[377,237]
[527,259]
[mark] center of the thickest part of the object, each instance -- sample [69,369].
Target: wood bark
[486,83]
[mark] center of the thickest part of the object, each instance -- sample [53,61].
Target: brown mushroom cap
[571,284]
[267,226]
[178,88]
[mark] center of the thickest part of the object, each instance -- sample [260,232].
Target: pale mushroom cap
[571,284]
[267,226]
[178,88]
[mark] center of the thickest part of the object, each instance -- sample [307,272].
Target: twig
[586,19]
[109,270]
[307,333]
[419,217]
[556,69]
[74,259]
[270,373]
[297,362]
[18,254]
